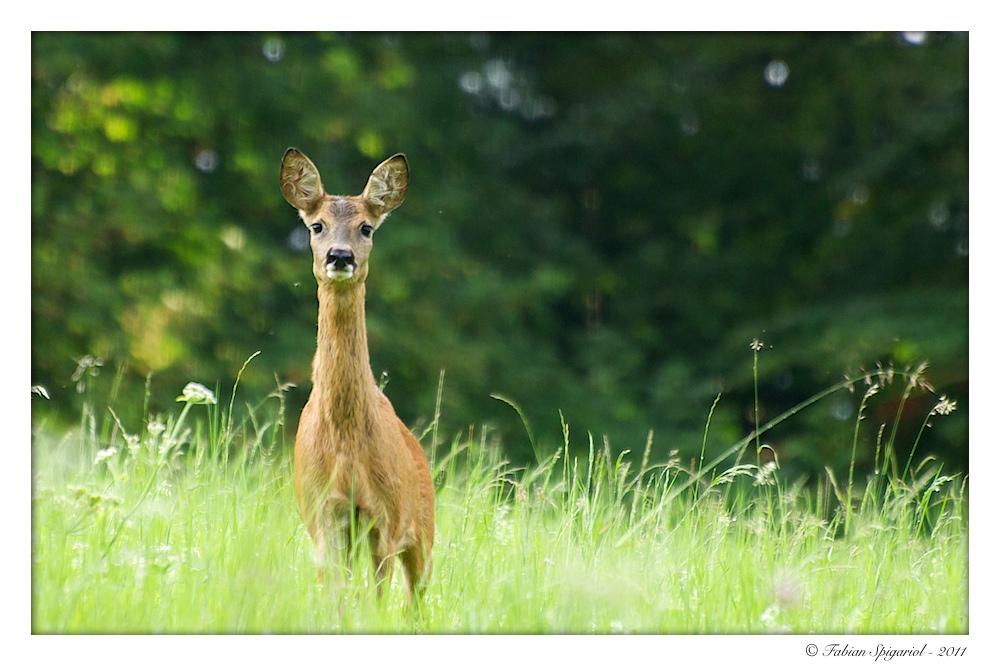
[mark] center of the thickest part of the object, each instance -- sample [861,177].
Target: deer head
[341,227]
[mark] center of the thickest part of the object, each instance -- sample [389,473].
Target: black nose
[339,257]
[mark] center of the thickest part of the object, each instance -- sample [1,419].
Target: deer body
[356,463]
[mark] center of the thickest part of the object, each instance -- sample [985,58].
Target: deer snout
[340,258]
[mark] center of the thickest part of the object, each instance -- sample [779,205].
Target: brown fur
[355,460]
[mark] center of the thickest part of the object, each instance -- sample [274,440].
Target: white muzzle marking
[339,274]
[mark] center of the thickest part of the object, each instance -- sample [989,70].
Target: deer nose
[340,257]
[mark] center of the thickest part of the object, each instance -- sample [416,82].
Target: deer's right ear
[300,183]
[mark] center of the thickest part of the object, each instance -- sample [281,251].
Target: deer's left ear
[386,188]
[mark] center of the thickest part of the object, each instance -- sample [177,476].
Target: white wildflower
[156,426]
[197,394]
[104,454]
[944,406]
[87,366]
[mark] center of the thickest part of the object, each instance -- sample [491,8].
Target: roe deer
[355,461]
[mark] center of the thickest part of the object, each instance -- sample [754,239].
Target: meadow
[186,522]
[598,223]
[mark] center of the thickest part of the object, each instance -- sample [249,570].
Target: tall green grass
[187,523]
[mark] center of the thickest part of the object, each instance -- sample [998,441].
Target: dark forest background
[596,223]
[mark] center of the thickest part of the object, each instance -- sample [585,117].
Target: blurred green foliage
[597,223]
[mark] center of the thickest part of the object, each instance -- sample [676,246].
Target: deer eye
[366,230]
[316,228]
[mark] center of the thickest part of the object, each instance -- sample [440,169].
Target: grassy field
[188,524]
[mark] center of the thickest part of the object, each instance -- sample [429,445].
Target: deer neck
[342,374]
